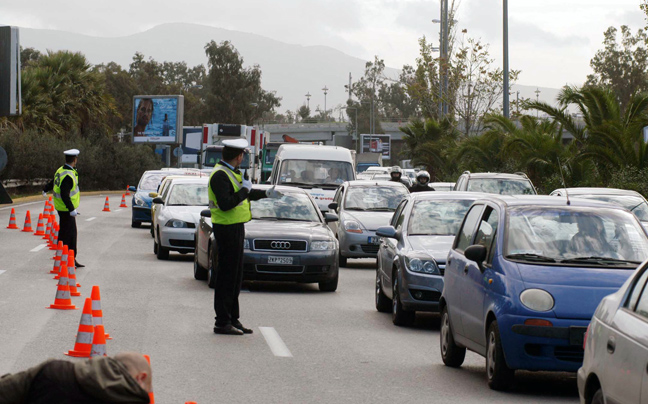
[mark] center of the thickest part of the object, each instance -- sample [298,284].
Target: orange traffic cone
[54,236]
[127,190]
[28,228]
[40,229]
[123,202]
[83,344]
[64,258]
[12,220]
[48,227]
[97,314]
[59,251]
[106,206]
[50,210]
[72,281]
[98,342]
[62,300]
[151,395]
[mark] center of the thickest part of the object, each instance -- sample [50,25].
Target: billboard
[377,144]
[157,118]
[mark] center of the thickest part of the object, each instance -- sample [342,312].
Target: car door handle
[466,269]
[611,345]
[449,262]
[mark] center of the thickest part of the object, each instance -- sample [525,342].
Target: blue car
[141,203]
[524,277]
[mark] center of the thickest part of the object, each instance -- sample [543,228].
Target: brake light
[586,334]
[538,322]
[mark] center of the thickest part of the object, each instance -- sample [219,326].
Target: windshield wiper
[429,234]
[293,219]
[599,261]
[330,184]
[265,218]
[355,208]
[381,209]
[299,184]
[531,257]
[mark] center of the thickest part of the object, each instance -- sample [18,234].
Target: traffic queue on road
[518,278]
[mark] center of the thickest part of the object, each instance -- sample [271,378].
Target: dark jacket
[224,191]
[98,380]
[420,188]
[66,187]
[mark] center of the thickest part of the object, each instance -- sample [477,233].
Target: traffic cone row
[106,206]
[123,202]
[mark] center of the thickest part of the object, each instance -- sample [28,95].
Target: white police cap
[72,152]
[236,143]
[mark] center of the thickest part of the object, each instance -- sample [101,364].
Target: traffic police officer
[66,200]
[229,201]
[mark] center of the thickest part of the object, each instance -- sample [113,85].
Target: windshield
[437,217]
[151,181]
[270,156]
[188,195]
[635,204]
[443,187]
[569,234]
[378,198]
[291,206]
[313,172]
[213,156]
[501,186]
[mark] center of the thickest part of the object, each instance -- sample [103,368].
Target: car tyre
[400,316]
[499,375]
[383,304]
[136,224]
[155,247]
[200,273]
[162,252]
[330,285]
[598,398]
[452,354]
[211,278]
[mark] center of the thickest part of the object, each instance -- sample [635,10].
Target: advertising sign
[157,118]
[377,144]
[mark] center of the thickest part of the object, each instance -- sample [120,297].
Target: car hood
[287,229]
[190,214]
[577,291]
[437,246]
[369,220]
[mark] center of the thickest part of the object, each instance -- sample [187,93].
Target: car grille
[442,269]
[182,243]
[279,245]
[572,353]
[370,248]
[284,269]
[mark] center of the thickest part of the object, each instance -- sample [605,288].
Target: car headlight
[422,266]
[178,224]
[537,299]
[139,201]
[322,245]
[246,244]
[352,226]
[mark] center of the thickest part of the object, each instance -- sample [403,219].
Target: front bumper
[308,267]
[178,239]
[141,213]
[421,292]
[356,245]
[557,348]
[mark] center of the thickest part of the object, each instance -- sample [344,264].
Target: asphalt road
[307,346]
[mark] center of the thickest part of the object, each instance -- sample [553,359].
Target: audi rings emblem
[280,245]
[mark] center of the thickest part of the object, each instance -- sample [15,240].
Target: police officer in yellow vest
[229,201]
[66,199]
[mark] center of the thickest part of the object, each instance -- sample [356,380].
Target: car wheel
[211,278]
[400,316]
[382,301]
[598,398]
[136,224]
[342,260]
[451,354]
[152,231]
[155,247]
[500,377]
[162,252]
[329,286]
[200,273]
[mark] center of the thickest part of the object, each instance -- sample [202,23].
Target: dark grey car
[287,240]
[413,252]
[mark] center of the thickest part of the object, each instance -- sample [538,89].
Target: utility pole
[308,95]
[506,62]
[325,89]
[443,59]
[350,88]
[537,93]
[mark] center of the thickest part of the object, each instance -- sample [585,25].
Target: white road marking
[91,219]
[38,248]
[117,210]
[275,342]
[2,271]
[22,204]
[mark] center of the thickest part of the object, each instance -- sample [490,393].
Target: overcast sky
[551,41]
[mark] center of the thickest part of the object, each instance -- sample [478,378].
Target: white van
[320,170]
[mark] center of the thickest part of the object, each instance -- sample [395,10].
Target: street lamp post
[506,61]
[308,95]
[355,129]
[325,89]
[537,93]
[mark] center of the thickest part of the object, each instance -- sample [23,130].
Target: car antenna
[562,177]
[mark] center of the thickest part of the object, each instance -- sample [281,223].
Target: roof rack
[522,174]
[466,172]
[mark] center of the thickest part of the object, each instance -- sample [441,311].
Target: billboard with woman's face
[157,118]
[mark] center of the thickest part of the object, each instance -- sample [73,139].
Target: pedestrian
[66,200]
[229,201]
[126,378]
[422,182]
[396,175]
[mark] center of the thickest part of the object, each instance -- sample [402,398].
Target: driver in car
[590,239]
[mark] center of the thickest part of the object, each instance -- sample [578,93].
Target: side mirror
[330,217]
[132,189]
[205,213]
[476,253]
[153,194]
[333,206]
[387,231]
[158,200]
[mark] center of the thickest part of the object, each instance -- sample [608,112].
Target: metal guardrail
[22,183]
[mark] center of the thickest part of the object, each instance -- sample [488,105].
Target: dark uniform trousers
[68,231]
[228,254]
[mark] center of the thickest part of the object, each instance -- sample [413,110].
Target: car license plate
[373,240]
[280,260]
[577,335]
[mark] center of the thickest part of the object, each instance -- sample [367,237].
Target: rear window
[151,181]
[501,186]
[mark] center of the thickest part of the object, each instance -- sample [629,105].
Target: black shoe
[239,326]
[78,265]
[227,330]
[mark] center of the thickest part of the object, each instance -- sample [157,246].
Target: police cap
[240,144]
[72,152]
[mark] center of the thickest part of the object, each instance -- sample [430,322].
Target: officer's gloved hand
[247,184]
[74,213]
[273,193]
[44,194]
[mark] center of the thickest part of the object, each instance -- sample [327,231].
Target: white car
[616,347]
[178,214]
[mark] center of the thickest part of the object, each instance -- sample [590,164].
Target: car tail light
[586,334]
[538,322]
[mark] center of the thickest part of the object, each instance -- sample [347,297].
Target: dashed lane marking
[2,271]
[91,219]
[275,342]
[118,210]
[38,248]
